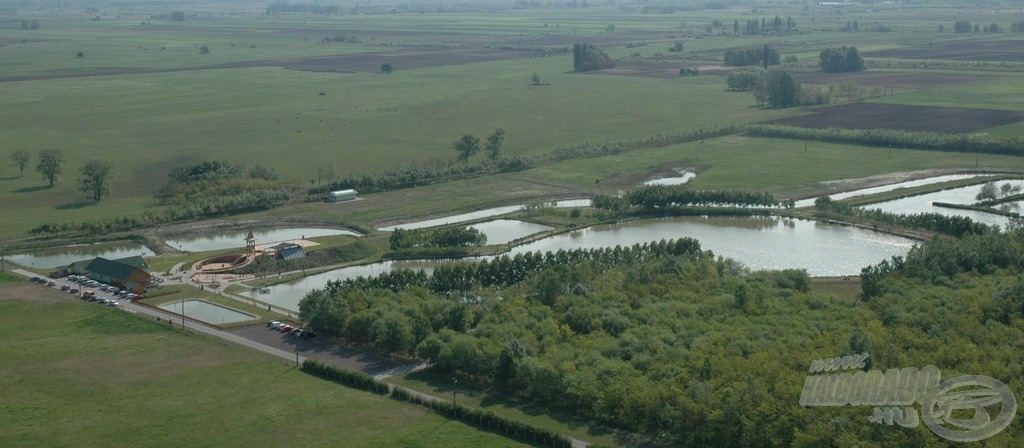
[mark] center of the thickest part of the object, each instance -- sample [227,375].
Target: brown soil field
[650,70]
[908,118]
[892,79]
[1003,50]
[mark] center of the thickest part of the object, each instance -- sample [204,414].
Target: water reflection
[503,231]
[486,213]
[66,256]
[230,239]
[885,188]
[759,243]
[963,195]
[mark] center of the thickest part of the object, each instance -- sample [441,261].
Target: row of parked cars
[48,282]
[285,328]
[110,289]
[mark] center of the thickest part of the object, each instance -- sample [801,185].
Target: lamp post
[182,313]
[297,352]
[455,381]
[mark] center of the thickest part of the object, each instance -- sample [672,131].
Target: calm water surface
[228,240]
[70,255]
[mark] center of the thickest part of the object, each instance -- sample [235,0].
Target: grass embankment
[78,374]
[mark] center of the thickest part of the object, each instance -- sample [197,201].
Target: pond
[68,255]
[288,295]
[963,195]
[684,177]
[504,231]
[886,188]
[232,239]
[487,213]
[211,313]
[759,243]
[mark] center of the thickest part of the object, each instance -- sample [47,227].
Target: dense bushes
[751,56]
[843,59]
[446,237]
[350,378]
[662,197]
[957,226]
[589,57]
[486,420]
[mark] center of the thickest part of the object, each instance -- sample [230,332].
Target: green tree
[20,159]
[178,16]
[51,164]
[467,147]
[494,143]
[96,176]
[386,68]
[204,50]
[778,89]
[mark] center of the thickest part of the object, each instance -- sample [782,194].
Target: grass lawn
[441,386]
[78,374]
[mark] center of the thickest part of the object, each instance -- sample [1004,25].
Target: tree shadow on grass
[443,384]
[9,178]
[31,189]
[75,205]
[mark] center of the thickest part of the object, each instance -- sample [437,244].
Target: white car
[274,324]
[112,303]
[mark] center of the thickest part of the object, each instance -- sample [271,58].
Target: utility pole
[296,353]
[182,313]
[455,381]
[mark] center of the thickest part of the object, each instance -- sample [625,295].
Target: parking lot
[316,348]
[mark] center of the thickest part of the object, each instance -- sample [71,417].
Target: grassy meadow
[156,102]
[82,374]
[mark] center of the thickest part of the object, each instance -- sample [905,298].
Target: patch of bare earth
[1001,50]
[903,117]
[896,80]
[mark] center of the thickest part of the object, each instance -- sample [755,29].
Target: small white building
[342,195]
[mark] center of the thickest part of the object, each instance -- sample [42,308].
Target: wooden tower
[250,244]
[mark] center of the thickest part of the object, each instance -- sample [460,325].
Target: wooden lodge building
[131,273]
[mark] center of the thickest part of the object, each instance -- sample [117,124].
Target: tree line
[751,56]
[651,197]
[956,226]
[936,141]
[448,238]
[97,174]
[589,57]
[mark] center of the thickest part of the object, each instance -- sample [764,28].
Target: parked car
[285,328]
[73,290]
[296,332]
[51,283]
[113,303]
[64,287]
[273,324]
[307,334]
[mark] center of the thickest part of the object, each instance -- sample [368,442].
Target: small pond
[217,240]
[885,188]
[487,213]
[683,178]
[504,231]
[68,255]
[211,313]
[963,195]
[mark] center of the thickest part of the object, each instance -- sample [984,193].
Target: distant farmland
[902,117]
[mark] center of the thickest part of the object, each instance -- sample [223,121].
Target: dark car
[64,287]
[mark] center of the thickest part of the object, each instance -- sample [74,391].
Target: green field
[79,374]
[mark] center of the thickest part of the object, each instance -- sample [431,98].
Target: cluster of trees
[178,16]
[30,24]
[843,59]
[991,193]
[764,56]
[447,238]
[956,226]
[652,197]
[96,173]
[775,87]
[887,138]
[303,7]
[943,260]
[964,26]
[763,27]
[1017,27]
[689,71]
[588,57]
[196,181]
[506,271]
[468,145]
